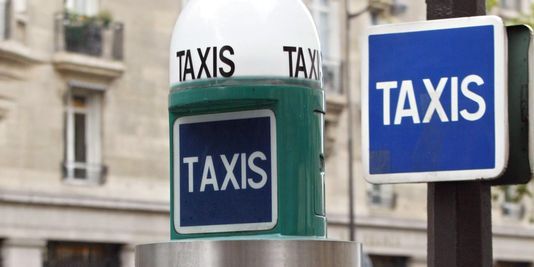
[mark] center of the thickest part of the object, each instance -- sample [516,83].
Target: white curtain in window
[20,6]
[326,16]
[92,165]
[94,134]
[2,19]
[184,2]
[82,7]
[334,46]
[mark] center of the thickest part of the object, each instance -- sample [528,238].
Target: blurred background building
[84,157]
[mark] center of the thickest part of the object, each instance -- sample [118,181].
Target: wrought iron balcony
[89,36]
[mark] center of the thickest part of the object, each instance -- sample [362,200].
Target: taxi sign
[434,101]
[225,172]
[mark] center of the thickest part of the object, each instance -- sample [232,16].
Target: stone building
[84,136]
[83,130]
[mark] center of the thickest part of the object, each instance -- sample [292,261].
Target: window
[398,7]
[321,13]
[82,137]
[512,207]
[82,7]
[512,264]
[325,13]
[20,6]
[375,20]
[381,195]
[512,5]
[5,7]
[1,253]
[388,261]
[69,254]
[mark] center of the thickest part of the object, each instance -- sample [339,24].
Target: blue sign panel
[225,172]
[434,98]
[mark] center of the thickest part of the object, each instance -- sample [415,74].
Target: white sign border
[500,98]
[274,173]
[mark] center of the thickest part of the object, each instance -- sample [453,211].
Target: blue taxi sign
[434,101]
[225,172]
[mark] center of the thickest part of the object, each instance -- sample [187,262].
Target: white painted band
[217,38]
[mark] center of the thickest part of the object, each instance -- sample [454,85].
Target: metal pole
[346,74]
[459,213]
[244,253]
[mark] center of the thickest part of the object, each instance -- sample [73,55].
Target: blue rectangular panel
[462,137]
[226,170]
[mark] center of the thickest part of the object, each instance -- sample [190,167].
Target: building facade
[391,219]
[83,130]
[84,136]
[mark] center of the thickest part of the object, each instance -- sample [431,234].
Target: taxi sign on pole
[434,101]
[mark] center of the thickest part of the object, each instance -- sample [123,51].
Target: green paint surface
[299,109]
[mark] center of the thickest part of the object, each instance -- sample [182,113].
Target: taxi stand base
[257,253]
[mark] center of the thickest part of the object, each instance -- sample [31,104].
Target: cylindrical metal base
[255,253]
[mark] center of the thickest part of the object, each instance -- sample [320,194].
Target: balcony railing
[89,36]
[5,19]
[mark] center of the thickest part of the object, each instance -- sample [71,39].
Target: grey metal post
[350,130]
[244,253]
[459,213]
[349,16]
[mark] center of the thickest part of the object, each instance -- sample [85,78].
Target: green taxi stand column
[230,62]
[246,117]
[299,111]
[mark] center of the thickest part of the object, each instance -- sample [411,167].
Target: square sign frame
[232,227]
[500,102]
